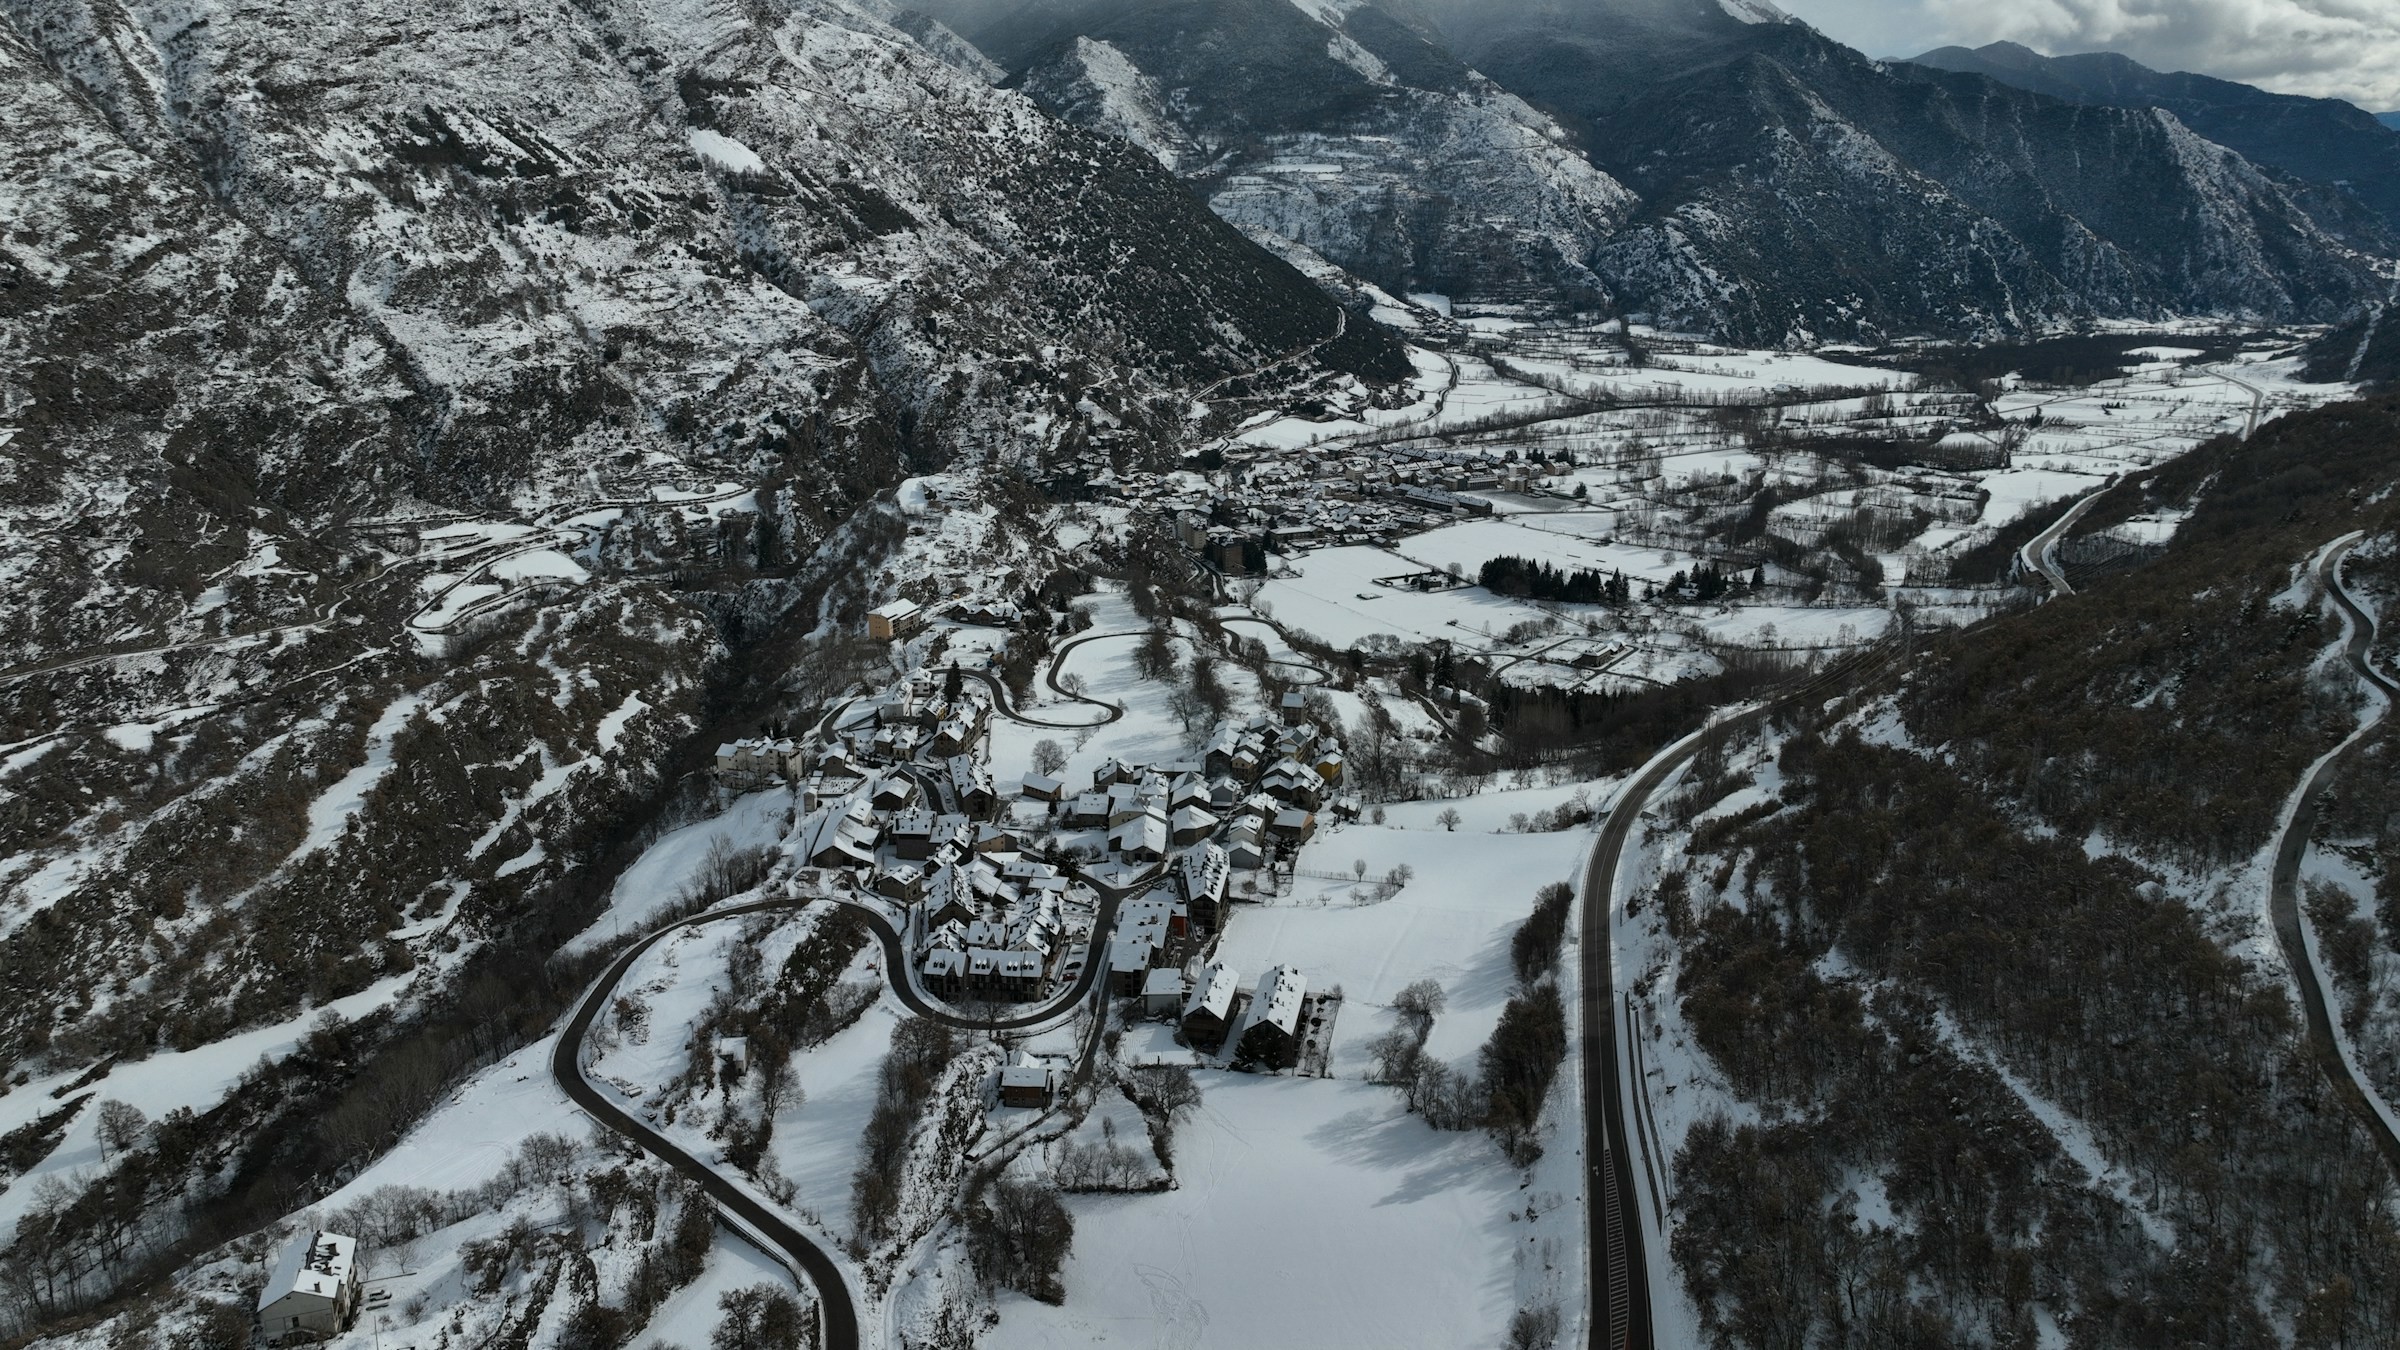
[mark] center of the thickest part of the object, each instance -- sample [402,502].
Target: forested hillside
[1984,964]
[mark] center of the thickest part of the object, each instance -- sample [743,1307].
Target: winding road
[743,1211]
[1112,712]
[837,1309]
[2284,894]
[2040,554]
[1109,712]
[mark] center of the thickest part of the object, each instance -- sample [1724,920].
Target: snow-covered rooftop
[316,1263]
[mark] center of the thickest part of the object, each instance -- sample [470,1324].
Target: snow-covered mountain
[1788,188]
[1329,124]
[2321,140]
[665,216]
[325,330]
[1791,186]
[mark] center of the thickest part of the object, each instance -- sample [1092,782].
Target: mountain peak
[2330,144]
[1755,11]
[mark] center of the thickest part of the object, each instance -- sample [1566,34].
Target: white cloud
[2330,48]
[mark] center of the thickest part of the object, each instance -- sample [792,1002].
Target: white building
[314,1290]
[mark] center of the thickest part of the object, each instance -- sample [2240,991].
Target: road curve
[1621,1316]
[1002,705]
[837,1312]
[2038,555]
[2258,400]
[2284,895]
[1323,677]
[903,983]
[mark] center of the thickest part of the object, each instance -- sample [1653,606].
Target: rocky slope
[284,289]
[2322,140]
[1996,1043]
[1328,124]
[1793,187]
[1788,188]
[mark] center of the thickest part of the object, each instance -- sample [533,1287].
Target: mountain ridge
[2325,141]
[1988,209]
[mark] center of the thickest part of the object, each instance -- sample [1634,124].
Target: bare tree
[1048,758]
[1019,1239]
[1394,1056]
[1166,1088]
[1422,999]
[123,1127]
[1155,657]
[1534,1328]
[761,1317]
[1448,819]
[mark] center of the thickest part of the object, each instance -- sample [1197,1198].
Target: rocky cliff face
[578,235]
[2323,141]
[1331,125]
[1815,192]
[1710,166]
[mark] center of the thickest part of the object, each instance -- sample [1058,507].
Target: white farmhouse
[314,1291]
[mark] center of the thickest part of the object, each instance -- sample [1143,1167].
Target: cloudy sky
[2333,48]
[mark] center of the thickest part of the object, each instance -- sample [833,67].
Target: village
[1016,891]
[1270,504]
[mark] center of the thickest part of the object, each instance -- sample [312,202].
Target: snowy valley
[1232,673]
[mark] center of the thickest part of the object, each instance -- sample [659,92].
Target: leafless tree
[1048,758]
[123,1127]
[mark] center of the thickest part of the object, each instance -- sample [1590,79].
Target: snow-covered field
[1658,471]
[756,820]
[1316,1212]
[1148,733]
[1334,597]
[1309,1214]
[1451,923]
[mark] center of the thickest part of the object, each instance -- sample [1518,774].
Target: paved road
[1621,1318]
[1000,702]
[1319,676]
[1620,1265]
[836,1310]
[2284,897]
[325,614]
[2258,400]
[2040,552]
[806,1260]
[1095,963]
